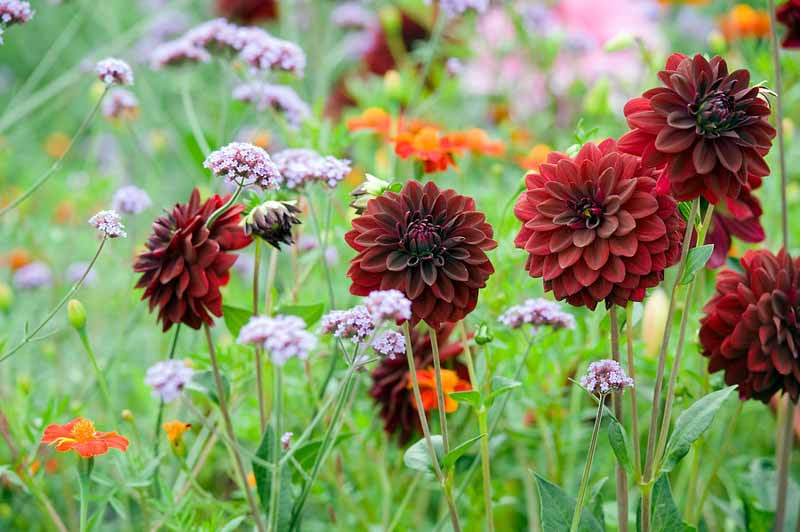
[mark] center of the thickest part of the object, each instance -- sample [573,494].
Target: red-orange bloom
[427,146]
[475,140]
[743,21]
[426,378]
[373,119]
[80,435]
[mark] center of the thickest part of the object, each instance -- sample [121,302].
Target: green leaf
[473,397]
[235,318]
[233,524]
[205,383]
[417,458]
[310,313]
[696,259]
[665,515]
[263,478]
[450,458]
[556,509]
[596,501]
[307,453]
[691,424]
[619,444]
[501,385]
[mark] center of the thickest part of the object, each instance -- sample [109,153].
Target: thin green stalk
[576,517]
[191,115]
[30,336]
[616,401]
[101,380]
[637,455]
[398,514]
[216,214]
[223,408]
[57,164]
[273,269]
[786,440]
[437,369]
[277,407]
[84,479]
[160,416]
[262,407]
[436,38]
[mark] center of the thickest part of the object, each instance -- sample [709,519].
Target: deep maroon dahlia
[390,380]
[248,11]
[738,218]
[706,128]
[594,229]
[751,327]
[186,262]
[428,243]
[788,14]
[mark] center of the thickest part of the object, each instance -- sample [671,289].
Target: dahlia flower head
[706,129]
[751,326]
[244,164]
[427,243]
[15,12]
[113,71]
[186,261]
[538,313]
[283,337]
[168,378]
[605,376]
[594,229]
[788,14]
[300,166]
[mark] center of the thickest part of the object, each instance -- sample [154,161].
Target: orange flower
[175,430]
[536,156]
[427,389]
[80,435]
[743,21]
[374,119]
[427,146]
[17,258]
[57,144]
[475,140]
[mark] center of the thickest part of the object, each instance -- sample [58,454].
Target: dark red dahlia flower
[428,243]
[706,128]
[186,262]
[739,218]
[390,380]
[379,58]
[248,11]
[788,14]
[751,327]
[594,229]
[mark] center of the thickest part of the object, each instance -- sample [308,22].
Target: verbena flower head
[286,440]
[255,331]
[168,378]
[356,324]
[130,199]
[279,97]
[15,12]
[33,275]
[288,338]
[216,34]
[354,15]
[80,435]
[390,344]
[604,376]
[113,71]
[265,52]
[120,104]
[178,52]
[109,224]
[185,262]
[706,127]
[390,305]
[593,228]
[538,313]
[454,8]
[272,221]
[301,165]
[751,327]
[244,164]
[429,244]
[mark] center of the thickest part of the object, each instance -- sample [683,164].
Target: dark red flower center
[715,113]
[423,240]
[588,213]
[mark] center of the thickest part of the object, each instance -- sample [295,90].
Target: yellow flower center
[83,431]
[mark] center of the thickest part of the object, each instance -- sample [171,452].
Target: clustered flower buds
[120,104]
[390,305]
[130,199]
[356,324]
[245,165]
[168,379]
[279,97]
[390,344]
[284,337]
[272,221]
[539,313]
[113,71]
[604,376]
[301,165]
[109,224]
[33,275]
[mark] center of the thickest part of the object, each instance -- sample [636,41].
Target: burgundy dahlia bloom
[429,244]
[248,11]
[594,229]
[751,327]
[739,218]
[705,127]
[788,14]
[186,262]
[390,380]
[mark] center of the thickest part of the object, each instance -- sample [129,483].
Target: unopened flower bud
[390,19]
[6,297]
[484,335]
[126,415]
[272,221]
[76,314]
[654,321]
[372,187]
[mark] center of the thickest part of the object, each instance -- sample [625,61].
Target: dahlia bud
[372,187]
[272,221]
[654,321]
[76,314]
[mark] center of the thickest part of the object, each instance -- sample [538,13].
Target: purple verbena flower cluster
[390,344]
[284,337]
[389,305]
[168,379]
[265,52]
[174,53]
[356,324]
[353,15]
[76,270]
[604,376]
[280,97]
[113,71]
[539,313]
[302,165]
[130,199]
[109,224]
[245,165]
[33,275]
[120,104]
[15,12]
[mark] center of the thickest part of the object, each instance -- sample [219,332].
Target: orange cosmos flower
[475,140]
[743,21]
[427,389]
[427,146]
[80,435]
[536,156]
[373,119]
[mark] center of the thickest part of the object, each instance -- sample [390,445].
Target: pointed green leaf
[204,382]
[696,259]
[665,515]
[473,397]
[263,478]
[235,318]
[556,509]
[310,313]
[501,385]
[417,458]
[454,454]
[619,444]
[307,453]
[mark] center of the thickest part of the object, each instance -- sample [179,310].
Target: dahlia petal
[728,154]
[670,140]
[607,228]
[171,270]
[596,255]
[623,246]
[704,156]
[627,223]
[560,239]
[428,272]
[583,237]
[456,271]
[614,270]
[641,205]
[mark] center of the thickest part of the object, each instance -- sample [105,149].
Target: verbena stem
[216,214]
[437,369]
[637,457]
[576,517]
[616,401]
[277,407]
[262,408]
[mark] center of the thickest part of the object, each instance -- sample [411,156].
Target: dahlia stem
[57,164]
[226,418]
[160,417]
[216,214]
[423,420]
[776,66]
[273,268]
[437,369]
[262,408]
[673,376]
[616,402]
[277,407]
[637,458]
[576,517]
[786,435]
[30,336]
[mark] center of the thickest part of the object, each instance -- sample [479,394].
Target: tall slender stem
[262,407]
[277,407]
[616,401]
[67,296]
[576,517]
[191,115]
[637,455]
[216,214]
[57,164]
[160,416]
[271,272]
[437,369]
[786,441]
[101,379]
[226,418]
[83,481]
